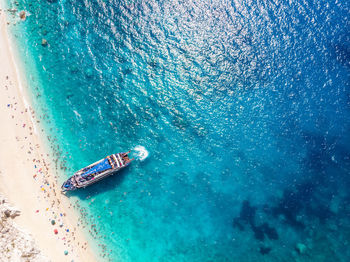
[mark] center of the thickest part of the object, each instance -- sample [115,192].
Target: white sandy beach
[27,179]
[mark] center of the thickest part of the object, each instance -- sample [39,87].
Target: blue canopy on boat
[99,167]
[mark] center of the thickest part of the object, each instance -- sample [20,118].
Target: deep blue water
[243,106]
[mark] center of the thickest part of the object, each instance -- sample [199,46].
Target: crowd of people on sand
[44,172]
[47,184]
[44,179]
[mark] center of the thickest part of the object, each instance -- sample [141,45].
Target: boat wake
[140,152]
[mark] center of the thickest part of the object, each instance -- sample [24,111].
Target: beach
[237,114]
[27,176]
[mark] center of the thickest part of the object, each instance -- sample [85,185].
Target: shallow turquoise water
[242,106]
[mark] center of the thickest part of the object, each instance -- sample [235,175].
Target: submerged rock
[22,15]
[44,42]
[264,250]
[300,248]
[74,69]
[88,72]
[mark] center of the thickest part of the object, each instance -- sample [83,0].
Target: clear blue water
[243,106]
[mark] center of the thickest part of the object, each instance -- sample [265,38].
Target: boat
[97,171]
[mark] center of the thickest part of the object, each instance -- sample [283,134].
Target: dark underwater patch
[247,217]
[302,204]
[342,52]
[264,250]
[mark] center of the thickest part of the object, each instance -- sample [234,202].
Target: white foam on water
[141,152]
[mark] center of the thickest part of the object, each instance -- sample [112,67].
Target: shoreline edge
[27,174]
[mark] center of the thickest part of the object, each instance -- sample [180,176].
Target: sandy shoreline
[27,174]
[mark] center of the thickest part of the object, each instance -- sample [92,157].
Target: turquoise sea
[242,106]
